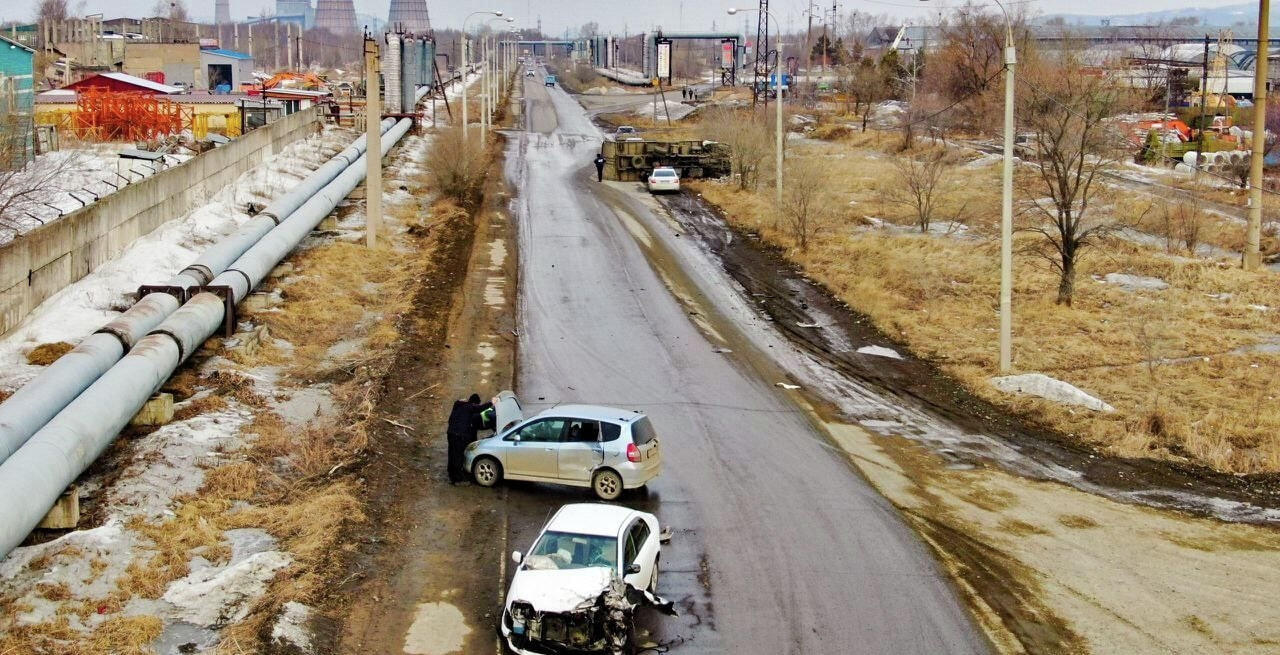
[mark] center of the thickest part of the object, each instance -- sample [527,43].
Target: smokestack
[409,16]
[337,16]
[221,12]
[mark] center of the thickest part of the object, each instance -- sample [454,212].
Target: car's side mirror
[633,568]
[516,556]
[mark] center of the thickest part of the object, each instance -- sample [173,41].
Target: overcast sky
[613,15]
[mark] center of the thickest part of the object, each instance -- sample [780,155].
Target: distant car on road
[625,130]
[529,73]
[664,178]
[550,80]
[566,596]
[602,448]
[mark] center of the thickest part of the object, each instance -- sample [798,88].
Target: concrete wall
[40,263]
[180,62]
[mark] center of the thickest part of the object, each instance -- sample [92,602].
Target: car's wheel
[486,471]
[653,582]
[607,484]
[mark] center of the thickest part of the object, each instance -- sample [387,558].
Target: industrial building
[226,70]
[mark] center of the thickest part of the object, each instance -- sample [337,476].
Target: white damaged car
[577,589]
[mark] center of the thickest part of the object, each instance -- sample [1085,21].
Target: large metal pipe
[35,403]
[34,476]
[252,267]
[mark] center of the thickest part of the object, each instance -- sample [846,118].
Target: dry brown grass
[48,353]
[195,528]
[54,590]
[343,287]
[127,635]
[202,405]
[237,481]
[1203,400]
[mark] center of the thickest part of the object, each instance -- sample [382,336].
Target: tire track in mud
[914,398]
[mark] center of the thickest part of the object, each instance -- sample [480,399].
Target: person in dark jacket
[465,421]
[599,162]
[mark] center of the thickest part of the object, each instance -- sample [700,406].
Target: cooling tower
[409,16]
[337,16]
[221,12]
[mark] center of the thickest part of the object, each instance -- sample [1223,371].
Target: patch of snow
[1259,308]
[1038,384]
[291,629]
[880,351]
[676,110]
[220,595]
[1135,282]
[987,159]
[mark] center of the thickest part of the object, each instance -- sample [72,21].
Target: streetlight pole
[1253,234]
[1006,205]
[777,85]
[464,68]
[1006,201]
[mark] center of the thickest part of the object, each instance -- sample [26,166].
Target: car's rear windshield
[642,431]
[568,550]
[667,173]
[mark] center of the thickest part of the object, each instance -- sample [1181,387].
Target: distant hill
[1244,14]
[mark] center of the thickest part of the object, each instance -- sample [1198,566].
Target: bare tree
[456,167]
[52,10]
[924,182]
[748,139]
[25,191]
[807,204]
[175,10]
[1067,108]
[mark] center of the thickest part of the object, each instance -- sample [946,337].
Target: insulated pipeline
[36,402]
[34,476]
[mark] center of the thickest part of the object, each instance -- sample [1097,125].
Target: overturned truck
[600,624]
[631,160]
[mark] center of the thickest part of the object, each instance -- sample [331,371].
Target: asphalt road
[779,546]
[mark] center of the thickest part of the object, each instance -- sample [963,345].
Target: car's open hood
[558,591]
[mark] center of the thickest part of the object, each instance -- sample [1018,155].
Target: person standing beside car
[465,421]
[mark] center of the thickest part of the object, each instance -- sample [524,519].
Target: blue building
[17,95]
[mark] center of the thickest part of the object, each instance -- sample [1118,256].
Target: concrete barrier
[41,262]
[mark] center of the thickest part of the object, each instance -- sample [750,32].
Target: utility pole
[1204,104]
[1253,235]
[373,145]
[288,42]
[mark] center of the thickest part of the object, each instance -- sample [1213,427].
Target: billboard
[726,54]
[664,59]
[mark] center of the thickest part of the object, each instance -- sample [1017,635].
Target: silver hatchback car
[603,448]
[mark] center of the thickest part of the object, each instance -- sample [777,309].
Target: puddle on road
[495,291]
[438,629]
[497,254]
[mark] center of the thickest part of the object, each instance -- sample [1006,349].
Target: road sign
[726,53]
[664,59]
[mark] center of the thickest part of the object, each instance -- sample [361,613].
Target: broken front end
[603,624]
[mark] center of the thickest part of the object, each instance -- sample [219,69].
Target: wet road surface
[779,546]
